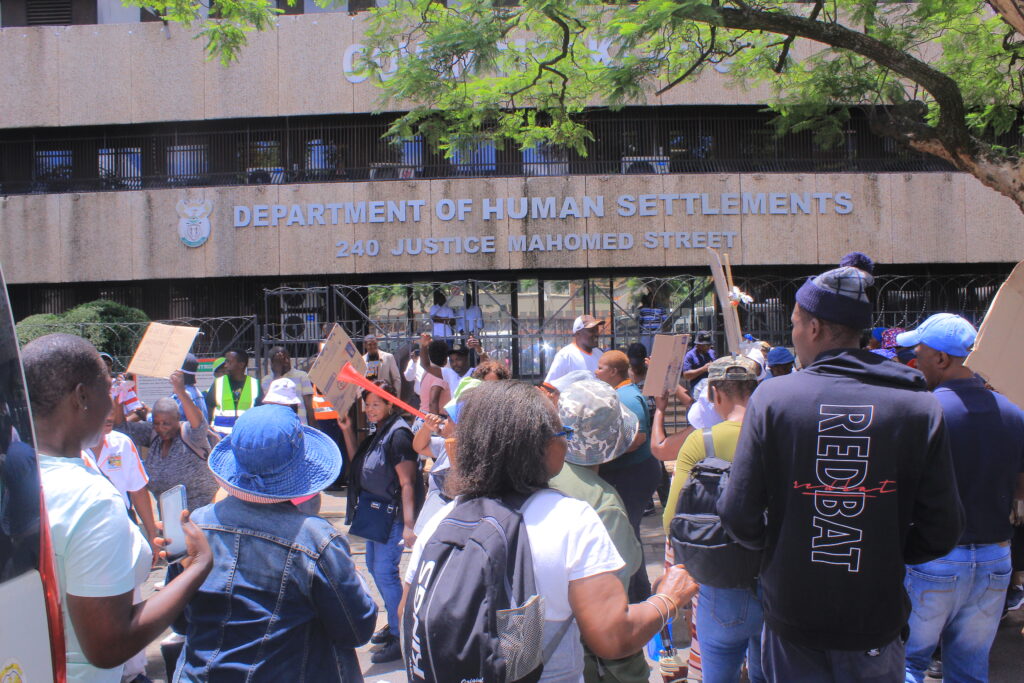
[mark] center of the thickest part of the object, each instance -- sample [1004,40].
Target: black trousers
[635,485]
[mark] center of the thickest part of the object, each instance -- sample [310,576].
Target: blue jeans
[957,599]
[382,560]
[729,624]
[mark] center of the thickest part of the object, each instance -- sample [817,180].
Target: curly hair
[487,367]
[503,432]
[54,365]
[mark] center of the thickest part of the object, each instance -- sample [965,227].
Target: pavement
[1006,660]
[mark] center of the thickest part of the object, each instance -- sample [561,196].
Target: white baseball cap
[283,392]
[585,321]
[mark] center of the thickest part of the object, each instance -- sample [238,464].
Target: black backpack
[699,540]
[473,613]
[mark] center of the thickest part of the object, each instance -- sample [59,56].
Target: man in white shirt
[442,316]
[580,354]
[116,458]
[457,368]
[471,320]
[380,364]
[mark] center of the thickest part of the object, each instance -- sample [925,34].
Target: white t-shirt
[568,542]
[442,330]
[453,378]
[414,373]
[569,358]
[98,551]
[471,320]
[119,461]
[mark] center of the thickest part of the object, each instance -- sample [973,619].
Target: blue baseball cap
[779,355]
[944,332]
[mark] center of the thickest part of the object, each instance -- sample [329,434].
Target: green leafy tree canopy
[943,77]
[110,326]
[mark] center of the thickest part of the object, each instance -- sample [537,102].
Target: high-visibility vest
[322,408]
[225,412]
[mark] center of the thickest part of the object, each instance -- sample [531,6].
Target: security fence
[216,335]
[524,322]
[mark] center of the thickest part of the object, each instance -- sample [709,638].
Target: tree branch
[788,42]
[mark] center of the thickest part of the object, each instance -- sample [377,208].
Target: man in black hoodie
[842,475]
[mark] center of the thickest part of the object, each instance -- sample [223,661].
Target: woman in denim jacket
[284,601]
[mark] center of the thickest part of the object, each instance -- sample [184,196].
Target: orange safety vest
[322,408]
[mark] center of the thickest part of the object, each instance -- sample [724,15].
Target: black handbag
[374,517]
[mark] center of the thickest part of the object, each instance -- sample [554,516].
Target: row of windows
[653,140]
[70,12]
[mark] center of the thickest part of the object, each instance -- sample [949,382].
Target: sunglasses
[567,432]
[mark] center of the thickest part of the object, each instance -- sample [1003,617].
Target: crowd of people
[871,483]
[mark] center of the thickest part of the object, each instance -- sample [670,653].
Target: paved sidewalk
[1007,658]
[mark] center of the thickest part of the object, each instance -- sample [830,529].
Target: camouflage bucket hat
[734,367]
[603,428]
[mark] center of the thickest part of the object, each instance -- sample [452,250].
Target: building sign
[618,211]
[406,211]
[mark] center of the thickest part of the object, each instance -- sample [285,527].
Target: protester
[100,556]
[284,601]
[442,316]
[511,442]
[382,498]
[958,598]
[458,367]
[435,439]
[117,459]
[697,359]
[380,364]
[178,449]
[190,366]
[636,474]
[578,355]
[414,374]
[281,367]
[330,422]
[232,393]
[780,361]
[491,370]
[850,458]
[728,620]
[283,392]
[637,355]
[602,429]
[665,446]
[434,390]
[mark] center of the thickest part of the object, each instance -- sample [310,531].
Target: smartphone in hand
[172,503]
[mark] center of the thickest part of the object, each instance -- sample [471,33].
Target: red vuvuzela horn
[351,375]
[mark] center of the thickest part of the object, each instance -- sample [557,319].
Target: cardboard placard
[998,343]
[666,364]
[162,350]
[337,350]
[733,334]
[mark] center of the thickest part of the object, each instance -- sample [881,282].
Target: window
[48,12]
[120,168]
[263,164]
[187,164]
[545,159]
[51,171]
[479,158]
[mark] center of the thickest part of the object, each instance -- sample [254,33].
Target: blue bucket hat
[779,355]
[944,332]
[269,454]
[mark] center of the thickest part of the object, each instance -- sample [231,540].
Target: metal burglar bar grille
[640,140]
[48,12]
